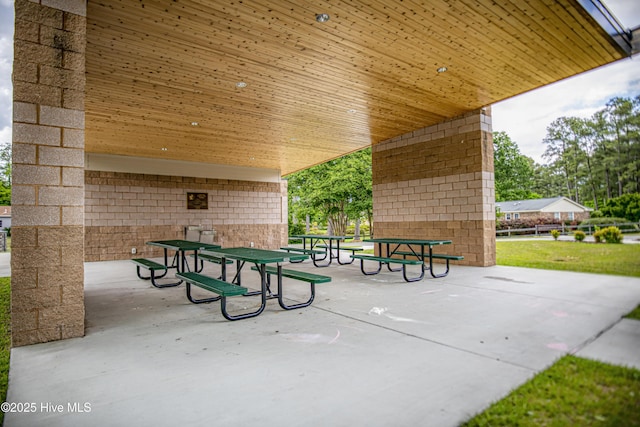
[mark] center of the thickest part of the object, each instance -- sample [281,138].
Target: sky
[524,118]
[6,60]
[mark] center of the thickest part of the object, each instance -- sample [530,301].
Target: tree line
[5,174]
[590,161]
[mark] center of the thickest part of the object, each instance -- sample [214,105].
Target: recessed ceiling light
[322,17]
[194,123]
[241,85]
[441,69]
[164,148]
[351,111]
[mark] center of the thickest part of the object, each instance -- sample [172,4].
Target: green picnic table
[421,250]
[260,258]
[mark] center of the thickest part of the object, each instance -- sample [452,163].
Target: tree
[595,158]
[361,203]
[300,210]
[564,153]
[514,171]
[626,206]
[623,125]
[335,191]
[588,133]
[5,174]
[5,196]
[547,181]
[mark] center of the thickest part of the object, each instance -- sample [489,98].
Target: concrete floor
[373,351]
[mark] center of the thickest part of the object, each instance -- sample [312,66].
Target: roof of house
[540,205]
[5,211]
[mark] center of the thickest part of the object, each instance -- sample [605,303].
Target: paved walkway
[372,351]
[5,264]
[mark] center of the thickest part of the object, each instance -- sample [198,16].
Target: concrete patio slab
[371,350]
[619,345]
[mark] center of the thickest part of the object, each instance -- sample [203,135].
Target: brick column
[438,183]
[47,281]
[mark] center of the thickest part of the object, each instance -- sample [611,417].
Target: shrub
[627,206]
[555,234]
[351,229]
[295,229]
[612,235]
[520,223]
[591,222]
[609,235]
[579,235]
[597,236]
[317,230]
[596,214]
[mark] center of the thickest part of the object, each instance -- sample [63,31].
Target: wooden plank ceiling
[163,75]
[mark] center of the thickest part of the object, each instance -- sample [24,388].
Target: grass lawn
[572,392]
[635,314]
[617,259]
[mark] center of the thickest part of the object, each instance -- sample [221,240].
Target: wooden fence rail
[625,227]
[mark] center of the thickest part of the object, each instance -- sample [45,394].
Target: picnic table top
[258,256]
[397,240]
[319,236]
[182,245]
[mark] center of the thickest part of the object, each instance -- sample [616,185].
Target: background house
[557,208]
[5,217]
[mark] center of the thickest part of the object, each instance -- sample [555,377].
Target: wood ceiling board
[154,66]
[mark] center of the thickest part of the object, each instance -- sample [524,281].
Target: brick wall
[47,280]
[124,210]
[438,183]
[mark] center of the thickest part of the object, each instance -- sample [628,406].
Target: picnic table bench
[209,258]
[180,247]
[313,240]
[153,266]
[388,261]
[220,287]
[434,256]
[179,259]
[312,252]
[351,249]
[303,276]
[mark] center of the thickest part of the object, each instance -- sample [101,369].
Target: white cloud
[6,66]
[5,134]
[526,117]
[626,11]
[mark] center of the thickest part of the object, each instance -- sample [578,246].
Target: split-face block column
[438,183]
[47,280]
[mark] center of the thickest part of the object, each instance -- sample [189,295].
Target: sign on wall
[197,200]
